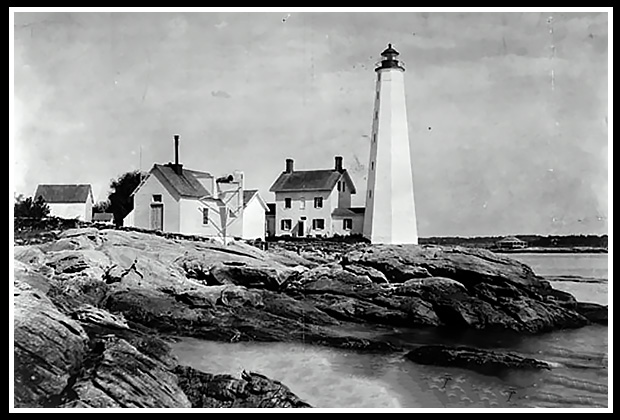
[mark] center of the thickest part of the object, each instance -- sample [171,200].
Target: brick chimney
[177,167]
[289,166]
[338,163]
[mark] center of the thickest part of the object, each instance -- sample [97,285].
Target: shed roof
[185,184]
[64,193]
[348,212]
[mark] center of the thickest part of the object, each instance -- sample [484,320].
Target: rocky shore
[94,308]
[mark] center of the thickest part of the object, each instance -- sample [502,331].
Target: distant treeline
[553,241]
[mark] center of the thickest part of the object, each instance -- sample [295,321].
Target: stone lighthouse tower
[390,207]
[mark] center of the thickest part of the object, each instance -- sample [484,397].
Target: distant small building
[68,201]
[107,218]
[511,242]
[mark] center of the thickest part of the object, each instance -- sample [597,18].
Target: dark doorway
[300,228]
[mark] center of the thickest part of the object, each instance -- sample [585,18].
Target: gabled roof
[249,195]
[313,180]
[185,184]
[64,193]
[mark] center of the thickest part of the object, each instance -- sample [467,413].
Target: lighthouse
[390,206]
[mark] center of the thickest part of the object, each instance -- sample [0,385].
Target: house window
[287,203]
[157,198]
[339,185]
[286,224]
[344,186]
[318,202]
[302,203]
[318,224]
[205,216]
[347,224]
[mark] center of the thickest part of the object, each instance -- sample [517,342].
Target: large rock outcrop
[104,292]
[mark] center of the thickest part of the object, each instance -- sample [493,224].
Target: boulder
[466,265]
[248,276]
[592,311]
[88,261]
[464,311]
[418,311]
[88,314]
[373,274]
[252,390]
[69,292]
[49,348]
[351,309]
[29,254]
[335,280]
[482,361]
[431,288]
[122,376]
[537,316]
[34,276]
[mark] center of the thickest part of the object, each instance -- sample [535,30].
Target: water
[332,378]
[585,274]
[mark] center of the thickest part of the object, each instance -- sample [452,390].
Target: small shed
[511,242]
[68,201]
[107,218]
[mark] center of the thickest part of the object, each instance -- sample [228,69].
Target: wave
[560,400]
[580,384]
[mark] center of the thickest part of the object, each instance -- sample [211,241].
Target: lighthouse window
[372,165]
[369,193]
[376,115]
[374,137]
[378,95]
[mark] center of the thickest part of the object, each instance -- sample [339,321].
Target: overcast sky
[507,111]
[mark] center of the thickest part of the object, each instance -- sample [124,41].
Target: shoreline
[551,251]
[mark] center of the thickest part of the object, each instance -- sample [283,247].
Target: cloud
[220,94]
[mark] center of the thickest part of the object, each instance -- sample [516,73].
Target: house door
[157,216]
[300,228]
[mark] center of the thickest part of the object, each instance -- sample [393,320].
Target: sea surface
[333,378]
